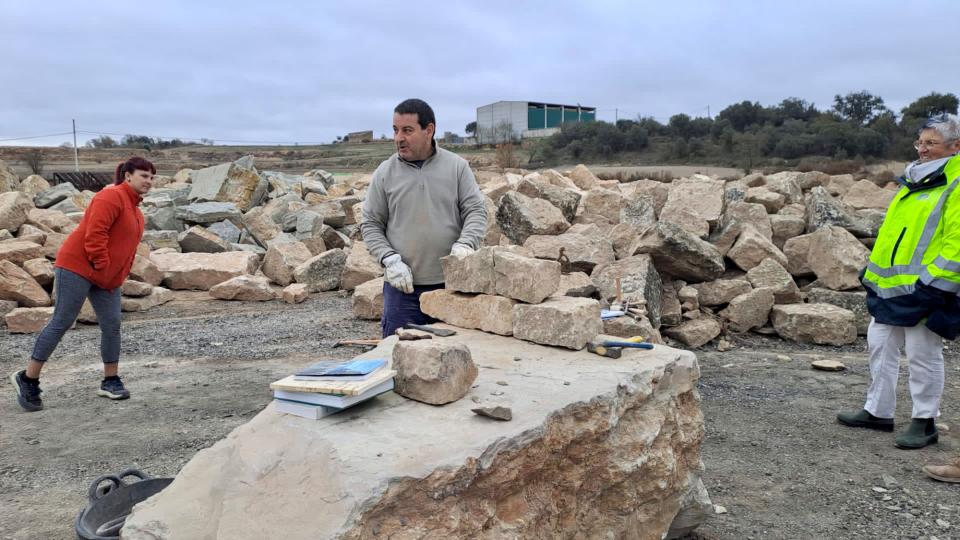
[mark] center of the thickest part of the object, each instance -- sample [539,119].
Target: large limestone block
[19,251]
[771,200]
[566,200]
[136,289]
[822,324]
[196,239]
[838,184]
[701,197]
[576,284]
[562,321]
[866,194]
[637,418]
[32,185]
[520,217]
[209,212]
[551,176]
[471,273]
[157,296]
[17,285]
[696,332]
[295,293]
[50,220]
[749,310]
[244,288]
[51,245]
[201,271]
[796,250]
[824,210]
[679,254]
[14,208]
[786,227]
[751,248]
[524,278]
[330,212]
[260,226]
[433,371]
[639,283]
[786,183]
[854,301]
[671,311]
[583,178]
[9,180]
[720,291]
[322,272]
[360,267]
[28,320]
[837,258]
[237,182]
[145,270]
[687,220]
[748,213]
[40,269]
[640,211]
[54,195]
[227,230]
[161,239]
[629,327]
[602,205]
[772,275]
[368,300]
[481,312]
[583,251]
[282,260]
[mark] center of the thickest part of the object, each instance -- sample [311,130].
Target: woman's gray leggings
[72,289]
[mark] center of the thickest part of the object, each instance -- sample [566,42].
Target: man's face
[413,142]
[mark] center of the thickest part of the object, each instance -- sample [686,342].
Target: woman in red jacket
[92,263]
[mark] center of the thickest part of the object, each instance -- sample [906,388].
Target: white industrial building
[513,120]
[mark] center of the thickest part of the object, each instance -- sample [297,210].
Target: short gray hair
[947,125]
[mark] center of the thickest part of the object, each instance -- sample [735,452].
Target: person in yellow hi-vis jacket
[912,282]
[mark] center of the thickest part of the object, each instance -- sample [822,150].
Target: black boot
[920,433]
[864,419]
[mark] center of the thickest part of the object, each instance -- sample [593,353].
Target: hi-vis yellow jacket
[914,268]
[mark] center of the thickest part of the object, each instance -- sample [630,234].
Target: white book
[336,401]
[313,412]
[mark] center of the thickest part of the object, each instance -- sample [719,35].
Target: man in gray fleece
[423,203]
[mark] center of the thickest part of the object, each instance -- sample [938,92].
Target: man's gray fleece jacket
[419,212]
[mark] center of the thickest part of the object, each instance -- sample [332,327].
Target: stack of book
[328,387]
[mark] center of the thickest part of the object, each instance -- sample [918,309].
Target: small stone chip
[828,365]
[783,358]
[879,489]
[943,523]
[717,509]
[497,412]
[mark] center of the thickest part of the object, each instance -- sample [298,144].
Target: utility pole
[76,154]
[616,116]
[708,112]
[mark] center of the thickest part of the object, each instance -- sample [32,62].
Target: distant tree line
[859,125]
[144,142]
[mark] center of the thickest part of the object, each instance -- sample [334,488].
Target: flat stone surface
[720,291]
[749,310]
[524,278]
[854,301]
[828,365]
[823,324]
[477,311]
[203,270]
[771,274]
[701,197]
[196,239]
[563,321]
[157,296]
[837,258]
[369,471]
[322,273]
[583,251]
[19,251]
[244,288]
[18,285]
[695,333]
[27,320]
[208,212]
[136,289]
[678,253]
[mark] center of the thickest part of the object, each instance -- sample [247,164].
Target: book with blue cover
[352,370]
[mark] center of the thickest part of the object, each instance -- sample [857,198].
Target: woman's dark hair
[135,163]
[418,107]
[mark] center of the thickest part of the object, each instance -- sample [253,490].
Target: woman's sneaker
[112,387]
[28,393]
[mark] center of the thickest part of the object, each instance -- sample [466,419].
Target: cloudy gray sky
[307,71]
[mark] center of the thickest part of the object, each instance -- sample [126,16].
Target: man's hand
[460,250]
[398,274]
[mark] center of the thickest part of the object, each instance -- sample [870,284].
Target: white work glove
[459,250]
[398,274]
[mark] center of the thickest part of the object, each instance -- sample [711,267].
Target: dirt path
[774,456]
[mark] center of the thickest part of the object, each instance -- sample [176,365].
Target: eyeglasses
[926,144]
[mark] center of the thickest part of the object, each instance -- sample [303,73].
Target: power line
[97,132]
[36,136]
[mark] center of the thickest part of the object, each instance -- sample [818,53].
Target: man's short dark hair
[418,107]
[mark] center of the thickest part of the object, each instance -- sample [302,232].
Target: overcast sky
[307,71]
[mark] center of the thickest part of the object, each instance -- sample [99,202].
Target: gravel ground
[774,456]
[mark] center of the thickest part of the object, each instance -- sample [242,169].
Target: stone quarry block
[136,289]
[161,239]
[54,195]
[360,267]
[19,251]
[520,217]
[322,272]
[481,312]
[824,210]
[201,271]
[837,258]
[786,184]
[294,293]
[260,226]
[471,273]
[17,285]
[702,197]
[638,210]
[331,213]
[639,283]
[368,300]
[583,177]
[866,194]
[145,270]
[196,239]
[822,324]
[27,320]
[853,301]
[561,321]
[695,333]
[772,275]
[157,296]
[796,250]
[602,204]
[576,284]
[6,306]
[583,251]
[720,291]
[838,184]
[282,260]
[687,220]
[628,327]
[237,182]
[524,278]
[786,227]
[40,269]
[432,371]
[751,248]
[14,209]
[209,212]
[679,254]
[9,180]
[771,200]
[749,310]
[244,288]
[748,213]
[226,230]
[50,220]
[670,309]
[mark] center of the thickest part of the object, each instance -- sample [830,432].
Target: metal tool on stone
[440,332]
[627,344]
[362,342]
[564,261]
[603,350]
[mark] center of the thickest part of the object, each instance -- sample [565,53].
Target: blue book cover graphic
[352,368]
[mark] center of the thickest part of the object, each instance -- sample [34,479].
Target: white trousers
[924,350]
